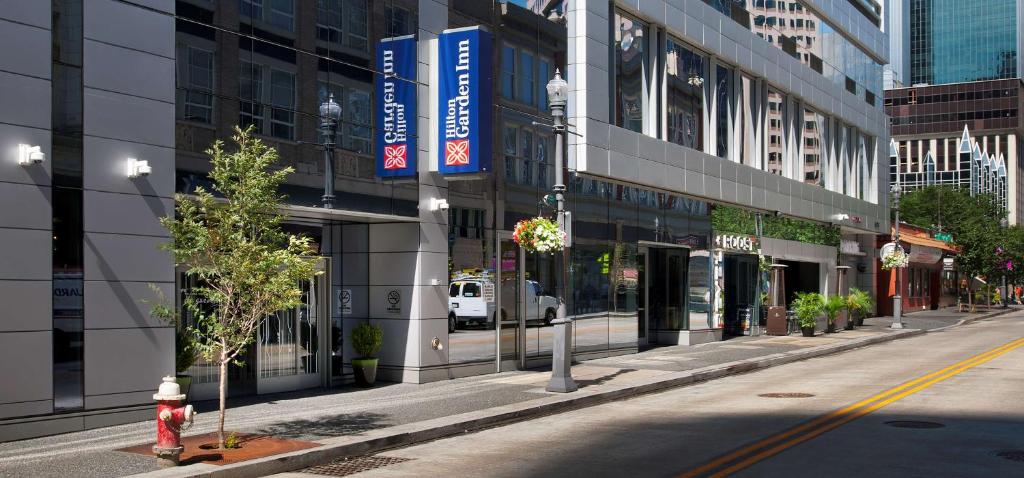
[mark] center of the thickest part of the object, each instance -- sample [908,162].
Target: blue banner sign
[465,102]
[396,107]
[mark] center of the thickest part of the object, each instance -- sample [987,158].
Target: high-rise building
[938,42]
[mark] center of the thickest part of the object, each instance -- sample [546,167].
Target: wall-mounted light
[136,168]
[436,344]
[29,155]
[438,204]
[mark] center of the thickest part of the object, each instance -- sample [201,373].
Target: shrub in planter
[186,353]
[859,303]
[366,341]
[833,305]
[808,306]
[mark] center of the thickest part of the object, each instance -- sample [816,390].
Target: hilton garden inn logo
[395,124]
[464,106]
[456,120]
[396,107]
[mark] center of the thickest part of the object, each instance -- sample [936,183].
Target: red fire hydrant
[171,418]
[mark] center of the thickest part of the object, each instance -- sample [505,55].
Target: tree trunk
[223,395]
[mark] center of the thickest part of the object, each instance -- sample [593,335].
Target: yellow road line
[841,416]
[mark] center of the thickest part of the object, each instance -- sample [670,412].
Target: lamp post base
[897,312]
[561,360]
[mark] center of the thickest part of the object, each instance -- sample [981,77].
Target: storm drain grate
[351,466]
[914,424]
[1015,455]
[786,395]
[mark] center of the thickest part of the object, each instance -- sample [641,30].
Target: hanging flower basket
[539,235]
[894,259]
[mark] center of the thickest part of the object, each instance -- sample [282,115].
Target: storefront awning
[927,242]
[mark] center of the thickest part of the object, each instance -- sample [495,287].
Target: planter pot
[830,328]
[860,321]
[184,383]
[807,331]
[365,371]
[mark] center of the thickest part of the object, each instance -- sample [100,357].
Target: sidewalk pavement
[350,421]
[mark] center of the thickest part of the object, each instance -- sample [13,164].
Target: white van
[467,303]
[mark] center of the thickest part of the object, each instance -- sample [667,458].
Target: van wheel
[453,323]
[549,316]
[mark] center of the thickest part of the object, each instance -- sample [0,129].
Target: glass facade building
[954,42]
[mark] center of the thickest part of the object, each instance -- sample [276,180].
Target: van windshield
[471,289]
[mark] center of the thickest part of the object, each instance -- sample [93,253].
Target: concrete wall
[25,219]
[128,111]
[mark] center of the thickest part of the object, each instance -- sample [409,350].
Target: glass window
[328,20]
[631,71]
[527,78]
[359,122]
[250,93]
[510,143]
[544,74]
[356,13]
[812,134]
[685,95]
[526,157]
[282,98]
[453,290]
[399,21]
[775,134]
[282,14]
[723,94]
[508,71]
[251,8]
[196,100]
[471,289]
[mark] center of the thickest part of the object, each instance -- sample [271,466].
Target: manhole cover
[351,466]
[1015,455]
[786,395]
[914,424]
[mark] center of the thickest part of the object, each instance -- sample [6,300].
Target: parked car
[468,303]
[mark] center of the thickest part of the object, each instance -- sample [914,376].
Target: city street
[948,403]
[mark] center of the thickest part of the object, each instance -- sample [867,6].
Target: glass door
[511,328]
[288,343]
[641,286]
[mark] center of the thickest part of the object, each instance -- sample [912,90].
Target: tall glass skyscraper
[952,41]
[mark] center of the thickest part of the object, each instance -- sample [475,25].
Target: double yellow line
[751,454]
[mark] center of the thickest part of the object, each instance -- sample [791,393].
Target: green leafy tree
[973,221]
[247,267]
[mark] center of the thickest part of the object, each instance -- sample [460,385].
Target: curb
[968,320]
[404,435]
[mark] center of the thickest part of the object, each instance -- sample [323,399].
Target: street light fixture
[330,115]
[897,299]
[561,360]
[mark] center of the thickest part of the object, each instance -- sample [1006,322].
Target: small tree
[247,268]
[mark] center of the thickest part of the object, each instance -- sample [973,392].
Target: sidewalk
[353,421]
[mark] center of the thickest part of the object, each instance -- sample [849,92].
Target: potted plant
[539,235]
[366,341]
[833,306]
[808,306]
[186,353]
[858,303]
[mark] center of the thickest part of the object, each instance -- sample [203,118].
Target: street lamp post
[1003,223]
[330,114]
[561,360]
[897,300]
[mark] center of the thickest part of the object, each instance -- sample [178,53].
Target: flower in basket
[539,235]
[894,259]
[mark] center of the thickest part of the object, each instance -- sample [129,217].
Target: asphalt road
[958,381]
